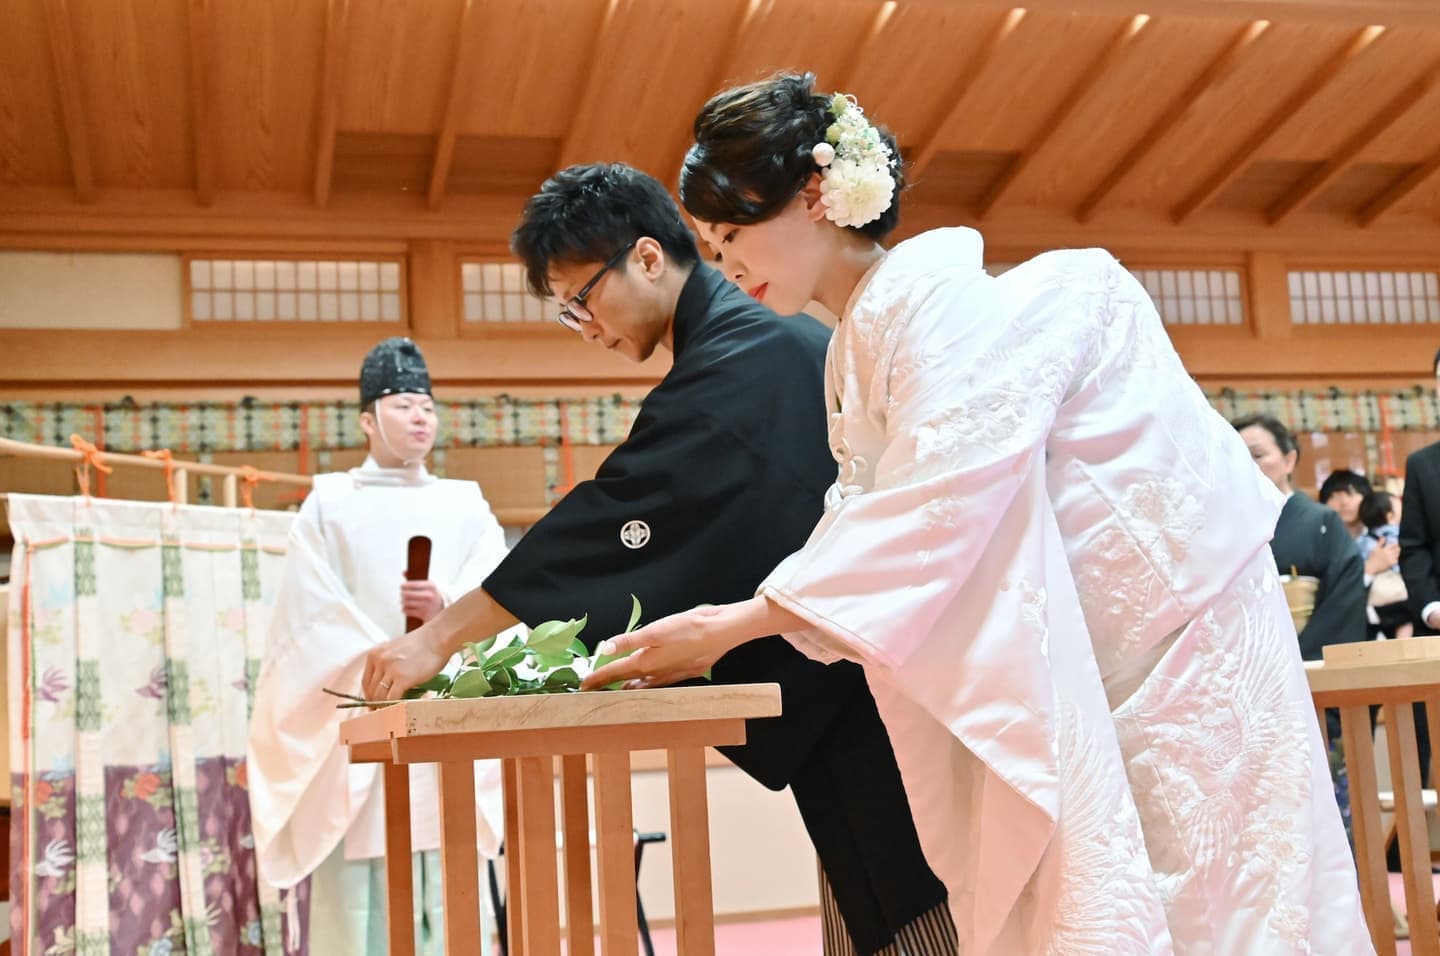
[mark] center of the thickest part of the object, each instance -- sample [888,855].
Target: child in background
[1380,513]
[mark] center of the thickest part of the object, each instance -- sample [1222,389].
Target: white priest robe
[340,597]
[1049,553]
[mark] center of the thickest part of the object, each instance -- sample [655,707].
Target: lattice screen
[294,290]
[1195,296]
[1364,298]
[1184,296]
[495,292]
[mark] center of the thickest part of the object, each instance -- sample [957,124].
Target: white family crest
[635,534]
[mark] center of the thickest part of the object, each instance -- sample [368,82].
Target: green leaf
[502,680]
[553,637]
[505,657]
[579,648]
[634,614]
[470,683]
[547,631]
[547,661]
[480,647]
[564,677]
[438,684]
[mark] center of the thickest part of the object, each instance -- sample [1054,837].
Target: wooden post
[536,852]
[575,816]
[459,860]
[690,853]
[399,877]
[615,855]
[1365,820]
[514,894]
[1411,826]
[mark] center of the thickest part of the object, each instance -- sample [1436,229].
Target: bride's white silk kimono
[1050,555]
[339,598]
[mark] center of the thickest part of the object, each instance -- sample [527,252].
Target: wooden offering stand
[530,734]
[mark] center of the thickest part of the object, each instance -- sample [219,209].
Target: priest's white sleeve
[304,794]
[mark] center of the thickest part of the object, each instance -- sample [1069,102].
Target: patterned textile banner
[135,632]
[190,429]
[198,428]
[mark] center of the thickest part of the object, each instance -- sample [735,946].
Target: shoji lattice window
[294,290]
[495,294]
[1194,296]
[1364,298]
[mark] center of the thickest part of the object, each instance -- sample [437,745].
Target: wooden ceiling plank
[963,84]
[1392,197]
[868,44]
[1074,96]
[457,101]
[201,133]
[1240,159]
[591,89]
[337,19]
[1213,73]
[745,25]
[67,85]
[1312,185]
[1393,13]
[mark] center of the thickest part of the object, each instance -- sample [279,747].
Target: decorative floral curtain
[135,635]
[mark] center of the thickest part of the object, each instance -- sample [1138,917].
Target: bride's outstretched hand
[680,646]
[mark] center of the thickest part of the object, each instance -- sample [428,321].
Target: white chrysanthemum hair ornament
[856,183]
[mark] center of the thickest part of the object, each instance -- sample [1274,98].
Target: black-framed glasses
[575,313]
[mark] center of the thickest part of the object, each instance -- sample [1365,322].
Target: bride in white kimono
[1050,555]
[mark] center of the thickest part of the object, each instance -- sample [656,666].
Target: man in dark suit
[1420,558]
[1420,534]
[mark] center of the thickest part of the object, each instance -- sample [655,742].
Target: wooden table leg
[1365,825]
[575,814]
[536,852]
[458,859]
[514,894]
[690,853]
[1411,826]
[399,872]
[615,855]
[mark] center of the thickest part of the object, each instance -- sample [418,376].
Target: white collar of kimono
[370,473]
[955,245]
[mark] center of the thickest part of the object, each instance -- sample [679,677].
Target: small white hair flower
[824,154]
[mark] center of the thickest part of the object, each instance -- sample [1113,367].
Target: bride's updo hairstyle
[755,150]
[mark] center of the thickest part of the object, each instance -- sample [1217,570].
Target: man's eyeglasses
[575,313]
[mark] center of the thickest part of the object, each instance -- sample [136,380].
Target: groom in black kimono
[722,476]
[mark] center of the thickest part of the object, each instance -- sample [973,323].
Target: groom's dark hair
[588,213]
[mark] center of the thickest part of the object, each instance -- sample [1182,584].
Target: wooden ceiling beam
[457,99]
[337,19]
[59,33]
[202,134]
[1392,197]
[1349,152]
[1393,13]
[1123,39]
[590,90]
[1216,70]
[963,84]
[1240,159]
